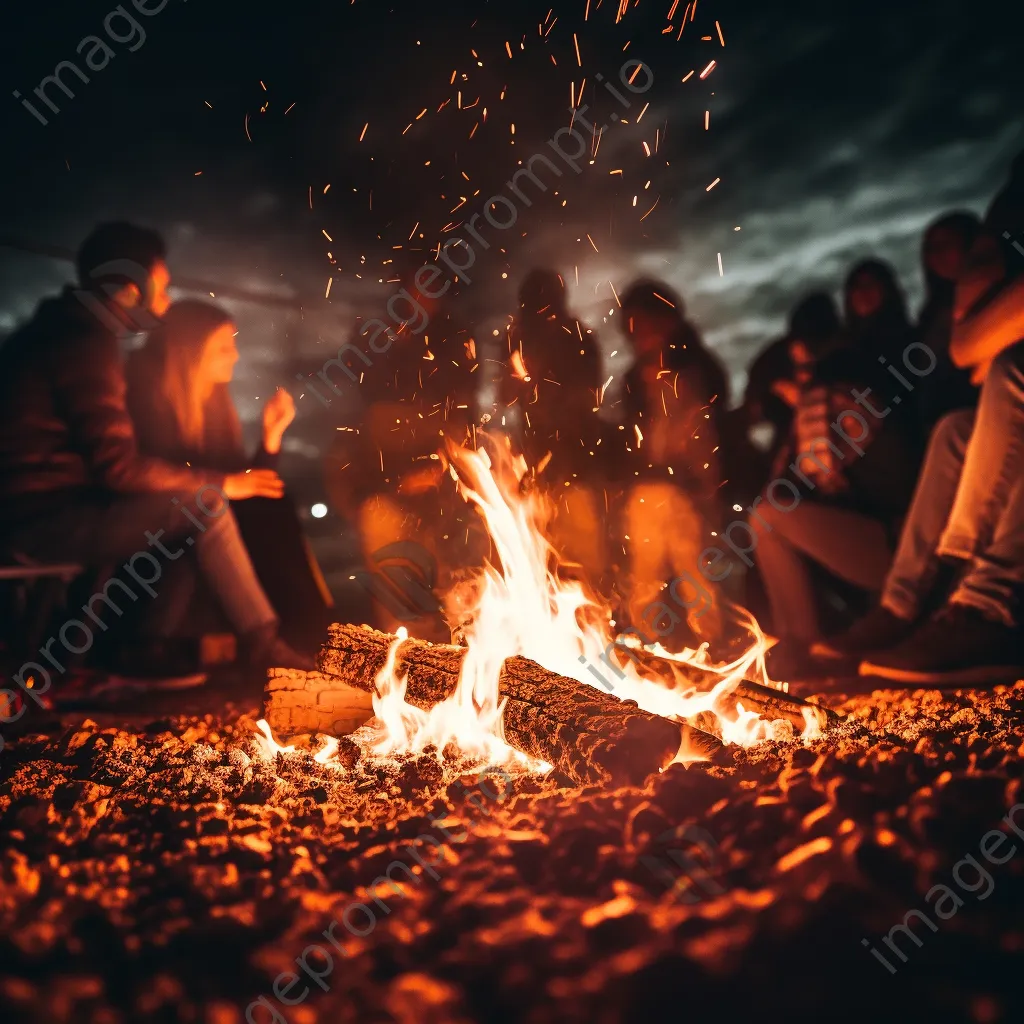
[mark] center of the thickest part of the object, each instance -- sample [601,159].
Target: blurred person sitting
[875,311]
[387,470]
[946,244]
[181,405]
[759,426]
[839,487]
[552,392]
[962,546]
[674,397]
[74,486]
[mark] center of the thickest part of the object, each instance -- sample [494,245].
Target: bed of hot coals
[168,873]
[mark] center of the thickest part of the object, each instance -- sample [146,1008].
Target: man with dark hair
[118,251]
[126,266]
[73,486]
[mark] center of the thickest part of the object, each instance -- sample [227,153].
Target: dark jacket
[946,387]
[158,432]
[64,426]
[557,412]
[691,394]
[877,472]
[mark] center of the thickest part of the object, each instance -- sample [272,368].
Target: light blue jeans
[969,503]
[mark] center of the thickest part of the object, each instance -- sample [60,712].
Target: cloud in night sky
[838,131]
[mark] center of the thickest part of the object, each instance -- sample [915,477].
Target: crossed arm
[981,336]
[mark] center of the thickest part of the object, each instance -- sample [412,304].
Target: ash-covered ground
[164,873]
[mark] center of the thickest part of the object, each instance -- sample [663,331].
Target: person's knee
[635,501]
[1008,367]
[952,432]
[194,514]
[763,516]
[650,512]
[654,493]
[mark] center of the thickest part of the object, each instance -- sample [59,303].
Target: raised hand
[278,414]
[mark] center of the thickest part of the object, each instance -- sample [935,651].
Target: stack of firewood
[587,735]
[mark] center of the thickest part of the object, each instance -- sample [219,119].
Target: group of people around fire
[864,497]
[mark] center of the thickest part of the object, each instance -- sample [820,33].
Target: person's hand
[419,481]
[253,483]
[278,414]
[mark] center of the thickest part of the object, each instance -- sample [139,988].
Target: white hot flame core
[267,748]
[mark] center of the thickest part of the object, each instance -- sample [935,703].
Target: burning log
[774,704]
[769,703]
[585,734]
[301,702]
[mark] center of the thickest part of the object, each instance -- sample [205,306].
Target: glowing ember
[267,748]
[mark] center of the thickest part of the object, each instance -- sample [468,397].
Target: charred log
[585,734]
[309,702]
[769,703]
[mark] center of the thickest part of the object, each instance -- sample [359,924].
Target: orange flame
[267,748]
[522,606]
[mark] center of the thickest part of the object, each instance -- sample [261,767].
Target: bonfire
[540,677]
[680,844]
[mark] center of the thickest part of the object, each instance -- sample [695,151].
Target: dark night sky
[838,130]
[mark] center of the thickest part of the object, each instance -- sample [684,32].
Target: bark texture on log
[310,702]
[586,734]
[768,702]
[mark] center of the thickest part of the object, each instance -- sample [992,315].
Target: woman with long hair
[876,324]
[179,399]
[875,311]
[944,250]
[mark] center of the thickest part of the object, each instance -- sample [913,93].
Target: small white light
[319,510]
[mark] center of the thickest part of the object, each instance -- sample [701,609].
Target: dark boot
[879,630]
[959,646]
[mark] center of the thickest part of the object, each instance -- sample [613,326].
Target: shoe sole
[123,684]
[978,675]
[826,652]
